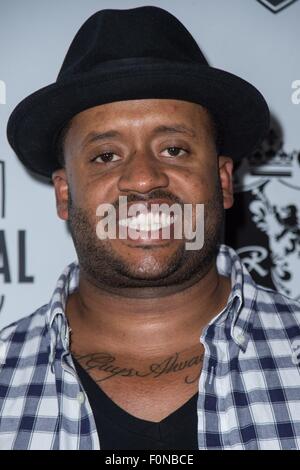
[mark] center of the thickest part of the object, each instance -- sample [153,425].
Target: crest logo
[276,5]
[270,182]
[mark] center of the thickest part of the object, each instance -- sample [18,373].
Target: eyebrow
[171,129]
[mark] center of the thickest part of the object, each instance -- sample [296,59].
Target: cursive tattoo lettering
[103,361]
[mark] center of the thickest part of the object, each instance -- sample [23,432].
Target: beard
[105,268]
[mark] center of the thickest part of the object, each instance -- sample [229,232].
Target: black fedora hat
[137,53]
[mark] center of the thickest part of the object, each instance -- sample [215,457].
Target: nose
[143,173]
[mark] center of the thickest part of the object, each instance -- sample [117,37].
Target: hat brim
[241,111]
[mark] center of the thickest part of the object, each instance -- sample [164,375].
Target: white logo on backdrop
[2,92]
[272,176]
[295,97]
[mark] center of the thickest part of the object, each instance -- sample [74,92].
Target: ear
[59,179]
[225,172]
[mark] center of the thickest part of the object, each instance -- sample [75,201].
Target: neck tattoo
[106,362]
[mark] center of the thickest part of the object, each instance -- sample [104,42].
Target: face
[152,151]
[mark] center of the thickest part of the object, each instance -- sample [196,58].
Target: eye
[106,157]
[174,151]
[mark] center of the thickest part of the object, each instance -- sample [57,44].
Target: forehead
[142,113]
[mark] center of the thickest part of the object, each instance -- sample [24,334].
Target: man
[147,342]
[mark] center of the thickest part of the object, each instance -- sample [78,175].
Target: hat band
[116,64]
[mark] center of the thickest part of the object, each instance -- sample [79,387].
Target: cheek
[195,186]
[89,192]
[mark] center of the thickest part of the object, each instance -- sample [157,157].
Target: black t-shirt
[119,430]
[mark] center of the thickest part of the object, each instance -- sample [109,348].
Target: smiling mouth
[148,222]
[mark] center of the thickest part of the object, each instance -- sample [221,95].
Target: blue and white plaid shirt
[249,388]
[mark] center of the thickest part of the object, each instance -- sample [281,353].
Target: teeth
[147,222]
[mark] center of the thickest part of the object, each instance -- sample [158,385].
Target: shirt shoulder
[274,301]
[276,311]
[25,330]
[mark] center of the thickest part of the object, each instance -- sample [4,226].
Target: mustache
[155,194]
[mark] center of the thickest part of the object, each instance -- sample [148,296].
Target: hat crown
[145,32]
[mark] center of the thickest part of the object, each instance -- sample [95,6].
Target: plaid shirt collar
[243,294]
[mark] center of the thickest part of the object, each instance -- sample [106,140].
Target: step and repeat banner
[257,40]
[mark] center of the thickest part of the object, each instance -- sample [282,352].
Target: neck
[148,326]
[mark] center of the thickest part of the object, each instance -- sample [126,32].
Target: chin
[147,272]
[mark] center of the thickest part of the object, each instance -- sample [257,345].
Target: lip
[145,239]
[154,237]
[145,204]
